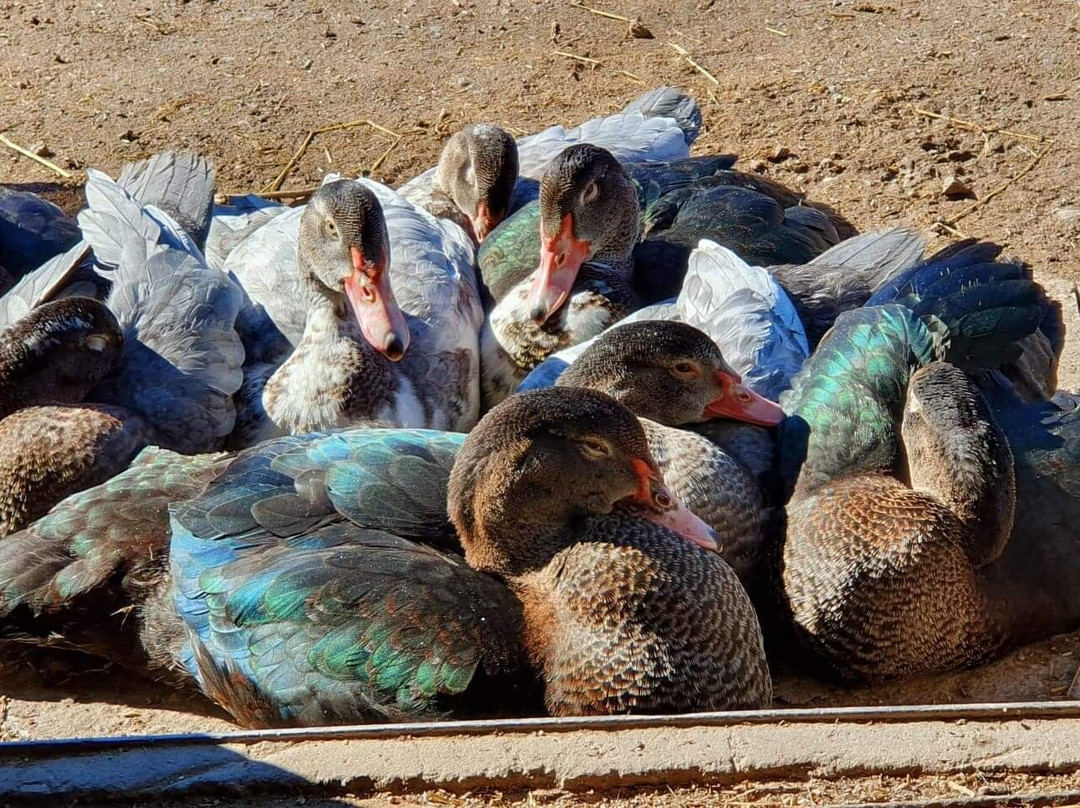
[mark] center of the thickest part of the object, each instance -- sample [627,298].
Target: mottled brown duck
[901,483]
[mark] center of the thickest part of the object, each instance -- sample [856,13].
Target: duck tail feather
[179,183]
[670,102]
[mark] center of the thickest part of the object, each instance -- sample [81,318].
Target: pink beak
[483,222]
[740,403]
[561,257]
[660,506]
[373,303]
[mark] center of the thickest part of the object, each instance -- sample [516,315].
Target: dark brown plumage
[621,615]
[51,445]
[58,353]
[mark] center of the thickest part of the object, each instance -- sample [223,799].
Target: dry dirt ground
[872,107]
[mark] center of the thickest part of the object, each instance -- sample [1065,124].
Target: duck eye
[96,343]
[331,228]
[591,192]
[685,370]
[663,500]
[594,448]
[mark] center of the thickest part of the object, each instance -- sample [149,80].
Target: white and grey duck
[360,308]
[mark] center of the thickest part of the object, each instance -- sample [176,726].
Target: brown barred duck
[673,377]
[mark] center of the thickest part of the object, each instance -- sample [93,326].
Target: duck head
[343,247]
[541,460]
[588,209]
[668,372]
[59,352]
[477,169]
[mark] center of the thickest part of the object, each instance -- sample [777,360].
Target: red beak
[740,403]
[483,222]
[660,506]
[373,303]
[561,257]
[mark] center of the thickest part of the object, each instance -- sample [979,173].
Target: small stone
[1065,214]
[757,166]
[953,188]
[41,150]
[129,136]
[307,64]
[959,155]
[780,154]
[638,30]
[464,81]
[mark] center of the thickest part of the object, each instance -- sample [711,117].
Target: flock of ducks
[575,423]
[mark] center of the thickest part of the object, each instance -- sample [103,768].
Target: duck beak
[373,303]
[740,403]
[660,505]
[483,222]
[561,257]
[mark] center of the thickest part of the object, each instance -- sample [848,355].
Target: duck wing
[182,357]
[845,275]
[274,310]
[297,614]
[234,222]
[179,183]
[32,231]
[43,284]
[964,307]
[71,578]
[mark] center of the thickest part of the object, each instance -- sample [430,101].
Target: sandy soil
[833,97]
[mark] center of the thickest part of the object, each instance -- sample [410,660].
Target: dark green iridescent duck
[901,482]
[320,579]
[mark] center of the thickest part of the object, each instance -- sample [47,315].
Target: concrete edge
[574,760]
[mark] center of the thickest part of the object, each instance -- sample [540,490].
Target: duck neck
[333,377]
[616,248]
[970,471]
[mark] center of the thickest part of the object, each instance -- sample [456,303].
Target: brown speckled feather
[636,620]
[47,453]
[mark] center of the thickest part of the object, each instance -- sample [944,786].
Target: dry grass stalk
[972,208]
[683,52]
[49,164]
[976,127]
[275,184]
[600,13]
[585,59]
